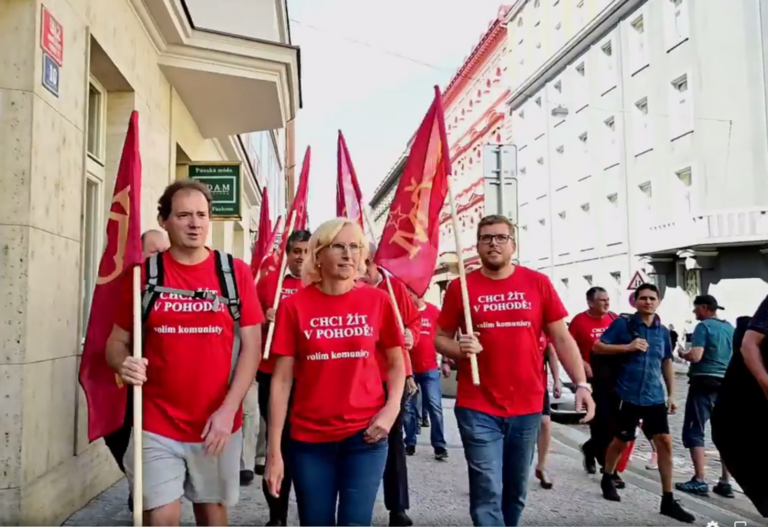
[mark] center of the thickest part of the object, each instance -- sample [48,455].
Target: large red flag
[268,261]
[408,247]
[299,205]
[106,398]
[348,196]
[261,244]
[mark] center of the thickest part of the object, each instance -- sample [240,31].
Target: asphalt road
[440,495]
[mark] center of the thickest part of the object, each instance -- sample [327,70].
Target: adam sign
[223,180]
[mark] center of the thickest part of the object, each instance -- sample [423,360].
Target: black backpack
[606,368]
[225,265]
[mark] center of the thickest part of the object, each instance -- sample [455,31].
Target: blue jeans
[429,384]
[346,472]
[499,453]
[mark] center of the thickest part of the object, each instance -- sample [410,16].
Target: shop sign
[224,181]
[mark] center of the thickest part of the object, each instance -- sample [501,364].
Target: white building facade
[641,136]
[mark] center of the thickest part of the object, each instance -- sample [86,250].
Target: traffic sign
[637,281]
[50,75]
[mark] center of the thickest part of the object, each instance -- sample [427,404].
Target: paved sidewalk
[440,496]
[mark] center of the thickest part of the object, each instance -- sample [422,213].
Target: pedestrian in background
[709,355]
[331,335]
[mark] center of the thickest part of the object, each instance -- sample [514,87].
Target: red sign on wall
[52,37]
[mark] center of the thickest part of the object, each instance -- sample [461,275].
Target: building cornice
[557,63]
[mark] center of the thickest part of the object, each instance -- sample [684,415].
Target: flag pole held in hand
[138,466]
[276,301]
[463,282]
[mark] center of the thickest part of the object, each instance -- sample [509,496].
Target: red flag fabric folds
[261,244]
[299,205]
[348,196]
[106,398]
[408,246]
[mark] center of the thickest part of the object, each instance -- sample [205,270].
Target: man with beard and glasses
[499,420]
[201,321]
[296,252]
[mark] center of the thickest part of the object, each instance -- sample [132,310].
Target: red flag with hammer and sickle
[106,397]
[408,246]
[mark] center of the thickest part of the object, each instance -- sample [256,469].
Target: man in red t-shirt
[296,251]
[586,328]
[426,373]
[396,497]
[510,306]
[192,390]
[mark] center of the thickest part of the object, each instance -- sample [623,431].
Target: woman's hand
[382,423]
[274,473]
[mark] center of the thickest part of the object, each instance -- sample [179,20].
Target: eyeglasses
[500,239]
[341,248]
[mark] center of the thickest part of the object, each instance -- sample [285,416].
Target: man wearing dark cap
[709,356]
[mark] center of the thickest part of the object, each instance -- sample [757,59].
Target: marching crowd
[339,388]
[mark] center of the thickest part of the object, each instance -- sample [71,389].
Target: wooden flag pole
[138,409]
[463,281]
[276,301]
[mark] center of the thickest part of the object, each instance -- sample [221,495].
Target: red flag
[299,205]
[261,244]
[348,196]
[106,398]
[268,261]
[408,247]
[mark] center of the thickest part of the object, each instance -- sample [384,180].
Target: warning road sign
[637,281]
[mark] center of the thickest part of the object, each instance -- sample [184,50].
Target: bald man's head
[154,241]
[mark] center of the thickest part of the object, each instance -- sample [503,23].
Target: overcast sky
[368,68]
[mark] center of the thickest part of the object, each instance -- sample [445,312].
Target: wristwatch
[585,385]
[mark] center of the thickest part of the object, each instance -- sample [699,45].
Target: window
[584,142]
[607,49]
[613,199]
[581,70]
[559,87]
[610,123]
[97,116]
[638,57]
[609,148]
[642,137]
[676,27]
[588,279]
[520,22]
[683,192]
[608,76]
[521,114]
[565,282]
[92,228]
[616,275]
[538,101]
[646,194]
[537,4]
[680,108]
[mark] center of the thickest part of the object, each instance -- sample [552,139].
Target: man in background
[710,354]
[153,241]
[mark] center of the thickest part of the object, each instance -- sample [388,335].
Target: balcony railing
[720,227]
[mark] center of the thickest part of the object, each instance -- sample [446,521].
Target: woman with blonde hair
[330,335]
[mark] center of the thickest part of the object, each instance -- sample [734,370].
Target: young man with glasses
[499,420]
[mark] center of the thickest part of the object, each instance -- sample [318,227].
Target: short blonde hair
[322,238]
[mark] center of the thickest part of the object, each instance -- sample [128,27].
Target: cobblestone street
[439,496]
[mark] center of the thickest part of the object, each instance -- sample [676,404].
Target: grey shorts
[173,469]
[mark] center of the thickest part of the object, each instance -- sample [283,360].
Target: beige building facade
[207,88]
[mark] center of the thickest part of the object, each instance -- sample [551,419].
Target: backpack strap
[631,326]
[154,279]
[225,265]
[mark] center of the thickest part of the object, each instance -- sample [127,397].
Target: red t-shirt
[408,312]
[509,316]
[424,354]
[266,289]
[189,347]
[336,342]
[586,329]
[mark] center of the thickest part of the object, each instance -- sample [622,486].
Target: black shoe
[410,450]
[259,470]
[130,503]
[618,482]
[590,463]
[441,454]
[543,478]
[672,508]
[418,429]
[608,486]
[246,477]
[399,519]
[723,489]
[278,523]
[425,422]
